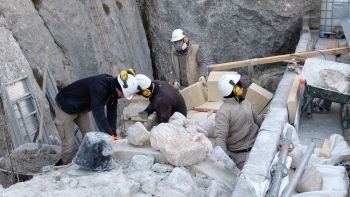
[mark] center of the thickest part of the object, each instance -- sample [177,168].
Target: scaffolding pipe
[287,192]
[279,170]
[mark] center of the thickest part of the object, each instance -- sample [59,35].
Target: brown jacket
[196,65]
[165,101]
[236,125]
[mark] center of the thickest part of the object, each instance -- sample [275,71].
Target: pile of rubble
[173,159]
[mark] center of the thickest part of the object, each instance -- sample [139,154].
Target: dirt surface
[28,159]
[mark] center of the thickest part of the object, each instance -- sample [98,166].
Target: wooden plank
[293,99]
[211,105]
[194,95]
[326,149]
[258,97]
[278,58]
[212,83]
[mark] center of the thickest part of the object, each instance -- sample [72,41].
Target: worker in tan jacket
[236,123]
[189,62]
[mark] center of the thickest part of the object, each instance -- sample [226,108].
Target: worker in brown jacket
[236,122]
[164,99]
[189,62]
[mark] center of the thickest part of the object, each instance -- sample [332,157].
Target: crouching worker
[164,99]
[236,123]
[90,94]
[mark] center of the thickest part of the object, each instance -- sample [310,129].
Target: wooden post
[42,104]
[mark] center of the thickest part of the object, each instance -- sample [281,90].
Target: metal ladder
[22,112]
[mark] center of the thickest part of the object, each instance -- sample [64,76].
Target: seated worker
[236,123]
[164,99]
[90,94]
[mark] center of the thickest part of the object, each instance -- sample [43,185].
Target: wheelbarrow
[333,96]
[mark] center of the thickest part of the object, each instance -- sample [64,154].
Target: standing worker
[90,94]
[236,122]
[164,99]
[189,63]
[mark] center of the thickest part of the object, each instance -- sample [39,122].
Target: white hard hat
[129,87]
[143,81]
[177,35]
[224,84]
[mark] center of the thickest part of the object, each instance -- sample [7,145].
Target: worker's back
[76,97]
[166,100]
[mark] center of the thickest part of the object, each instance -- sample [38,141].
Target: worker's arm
[258,119]
[149,109]
[221,130]
[98,100]
[202,62]
[145,113]
[112,105]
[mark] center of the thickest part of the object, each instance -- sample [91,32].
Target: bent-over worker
[90,94]
[164,99]
[236,122]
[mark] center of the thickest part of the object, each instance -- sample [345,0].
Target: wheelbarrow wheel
[345,115]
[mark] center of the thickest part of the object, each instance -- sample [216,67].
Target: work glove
[203,80]
[177,85]
[143,114]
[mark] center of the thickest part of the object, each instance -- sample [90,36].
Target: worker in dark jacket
[90,94]
[164,99]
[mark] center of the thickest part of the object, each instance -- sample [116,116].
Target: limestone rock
[207,127]
[142,162]
[127,188]
[296,154]
[311,180]
[149,185]
[177,119]
[335,80]
[180,147]
[162,168]
[141,194]
[217,189]
[138,134]
[180,181]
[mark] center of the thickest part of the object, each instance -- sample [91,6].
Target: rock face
[85,37]
[180,146]
[226,30]
[138,134]
[13,66]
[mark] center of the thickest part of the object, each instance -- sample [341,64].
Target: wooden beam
[278,58]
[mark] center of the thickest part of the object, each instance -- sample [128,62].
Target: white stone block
[142,162]
[138,134]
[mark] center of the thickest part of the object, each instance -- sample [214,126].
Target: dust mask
[178,45]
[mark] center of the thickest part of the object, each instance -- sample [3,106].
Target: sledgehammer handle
[42,104]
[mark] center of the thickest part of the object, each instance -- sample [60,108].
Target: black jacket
[165,101]
[92,94]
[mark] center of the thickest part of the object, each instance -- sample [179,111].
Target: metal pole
[287,192]
[279,170]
